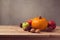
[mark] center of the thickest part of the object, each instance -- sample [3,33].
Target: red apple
[29,21]
[52,24]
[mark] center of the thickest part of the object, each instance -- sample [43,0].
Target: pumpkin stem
[40,17]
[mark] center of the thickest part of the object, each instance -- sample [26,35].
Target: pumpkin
[39,23]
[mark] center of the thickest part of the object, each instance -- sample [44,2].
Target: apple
[29,21]
[28,28]
[52,24]
[25,25]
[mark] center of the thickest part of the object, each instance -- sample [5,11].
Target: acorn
[37,31]
[32,30]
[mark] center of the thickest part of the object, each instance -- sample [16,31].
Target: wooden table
[14,32]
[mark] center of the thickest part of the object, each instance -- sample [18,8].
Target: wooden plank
[16,30]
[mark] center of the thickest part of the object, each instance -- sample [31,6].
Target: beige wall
[0,11]
[16,11]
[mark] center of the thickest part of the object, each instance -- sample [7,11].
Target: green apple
[25,25]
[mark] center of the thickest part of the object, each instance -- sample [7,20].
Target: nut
[32,30]
[37,31]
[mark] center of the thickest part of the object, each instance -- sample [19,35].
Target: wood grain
[16,30]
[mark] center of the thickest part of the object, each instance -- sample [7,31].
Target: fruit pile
[38,24]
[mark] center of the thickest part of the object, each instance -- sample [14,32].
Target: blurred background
[13,12]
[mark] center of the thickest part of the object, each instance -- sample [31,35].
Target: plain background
[16,11]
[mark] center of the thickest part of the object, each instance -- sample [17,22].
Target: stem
[40,17]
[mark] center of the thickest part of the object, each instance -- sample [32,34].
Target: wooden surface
[16,30]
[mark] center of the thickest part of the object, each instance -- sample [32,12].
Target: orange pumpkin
[39,23]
